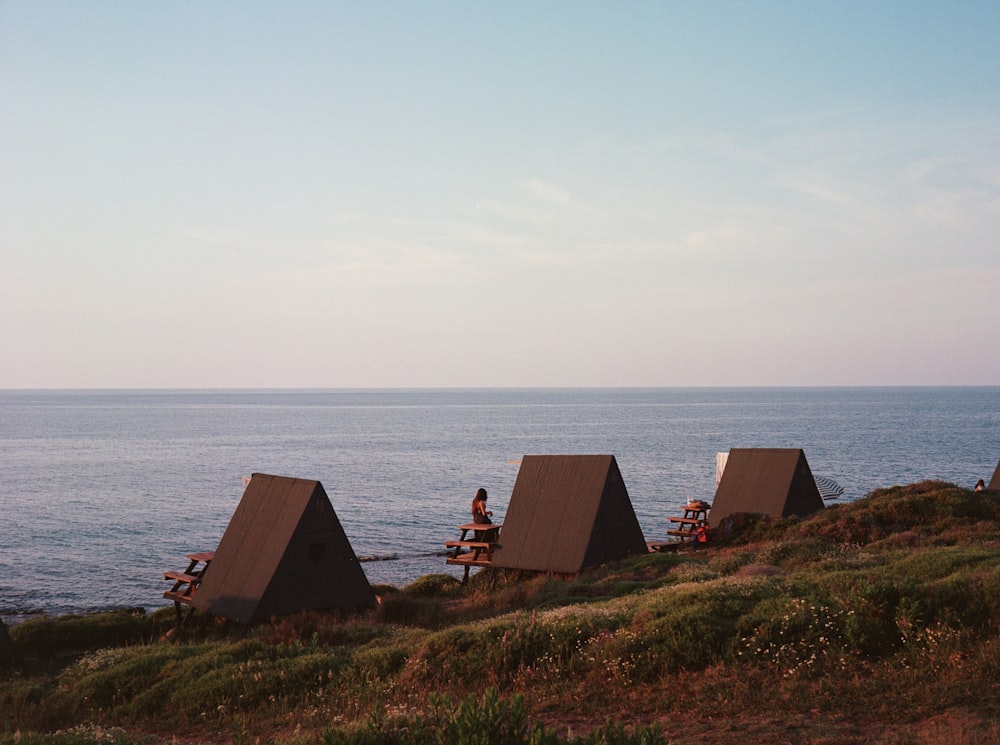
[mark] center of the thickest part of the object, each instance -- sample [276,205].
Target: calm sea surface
[101,491]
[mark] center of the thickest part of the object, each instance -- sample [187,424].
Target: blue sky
[506,194]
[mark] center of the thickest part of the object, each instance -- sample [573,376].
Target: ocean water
[100,491]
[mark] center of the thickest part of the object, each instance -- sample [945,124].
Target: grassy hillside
[871,622]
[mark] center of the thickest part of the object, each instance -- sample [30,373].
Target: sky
[455,194]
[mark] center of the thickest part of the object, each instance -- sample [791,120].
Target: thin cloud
[815,189]
[546,192]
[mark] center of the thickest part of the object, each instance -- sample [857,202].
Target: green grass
[877,621]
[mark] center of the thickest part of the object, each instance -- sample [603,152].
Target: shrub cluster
[480,720]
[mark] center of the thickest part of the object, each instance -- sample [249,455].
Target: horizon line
[304,389]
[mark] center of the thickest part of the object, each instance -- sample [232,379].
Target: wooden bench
[479,553]
[469,544]
[469,559]
[201,556]
[182,577]
[695,517]
[186,582]
[663,546]
[184,586]
[476,550]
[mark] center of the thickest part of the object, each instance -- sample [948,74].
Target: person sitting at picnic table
[481,516]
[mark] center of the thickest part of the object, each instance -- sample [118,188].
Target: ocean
[101,491]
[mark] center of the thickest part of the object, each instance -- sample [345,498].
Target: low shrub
[487,719]
[81,735]
[406,609]
[796,637]
[375,665]
[796,552]
[434,586]
[320,628]
[50,637]
[729,562]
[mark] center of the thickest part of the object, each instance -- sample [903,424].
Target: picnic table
[695,517]
[474,546]
[186,582]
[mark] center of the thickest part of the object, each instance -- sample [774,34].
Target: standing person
[980,485]
[481,516]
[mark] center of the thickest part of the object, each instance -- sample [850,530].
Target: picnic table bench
[474,550]
[695,517]
[686,529]
[185,583]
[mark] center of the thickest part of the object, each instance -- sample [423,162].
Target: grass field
[871,622]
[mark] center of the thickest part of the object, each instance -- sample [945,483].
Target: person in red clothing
[702,536]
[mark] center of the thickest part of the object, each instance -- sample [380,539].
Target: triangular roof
[568,512]
[995,481]
[770,481]
[283,551]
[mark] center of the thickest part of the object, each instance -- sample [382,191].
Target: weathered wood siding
[567,512]
[283,551]
[769,481]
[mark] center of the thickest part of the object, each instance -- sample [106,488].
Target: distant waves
[397,557]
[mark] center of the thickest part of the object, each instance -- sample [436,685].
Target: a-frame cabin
[566,513]
[283,551]
[771,481]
